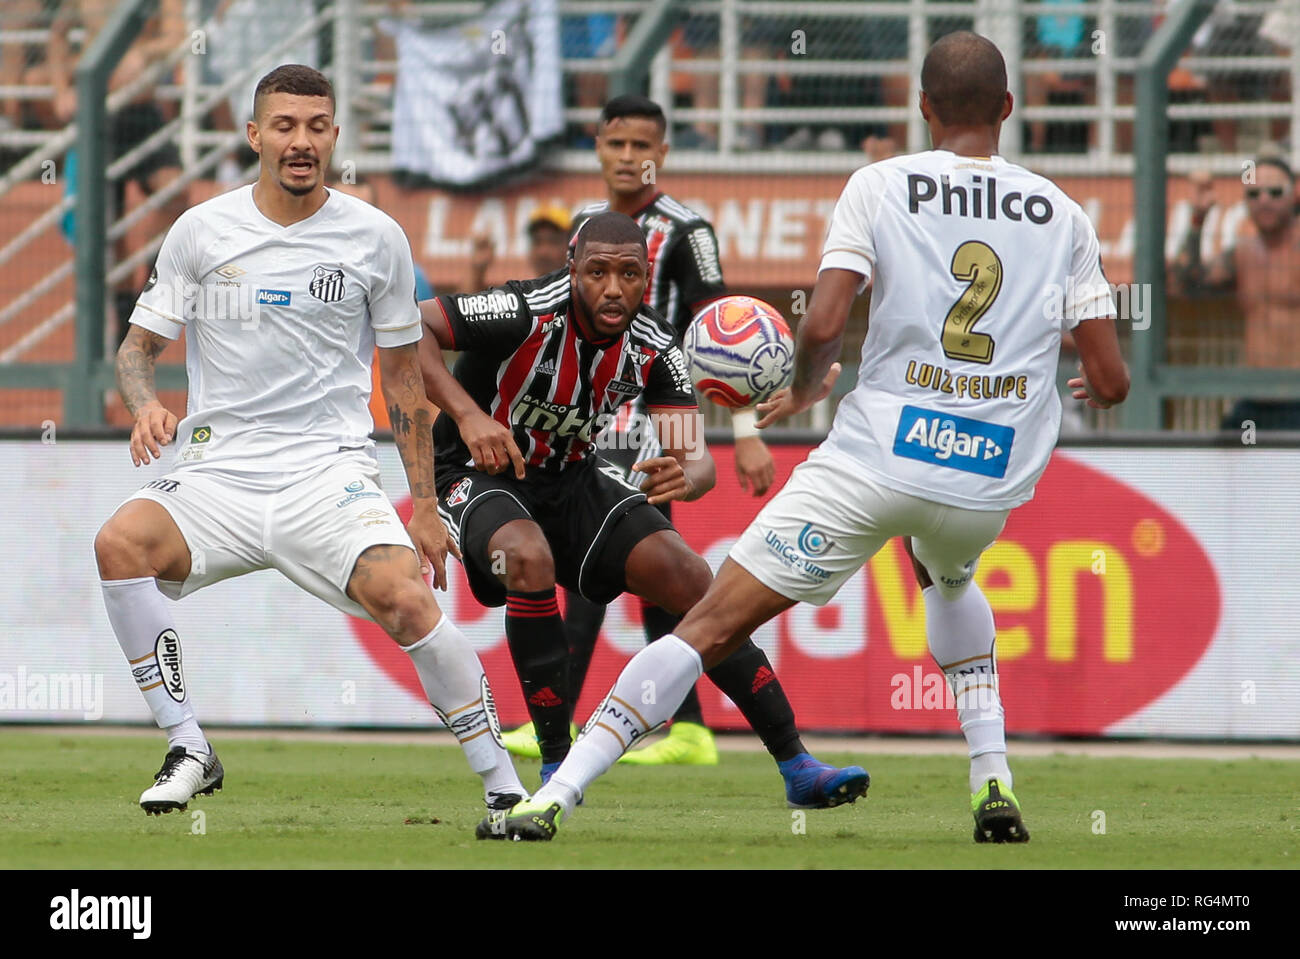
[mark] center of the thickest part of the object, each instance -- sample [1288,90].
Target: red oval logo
[1103,601]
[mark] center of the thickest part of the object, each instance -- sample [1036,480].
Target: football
[740,350]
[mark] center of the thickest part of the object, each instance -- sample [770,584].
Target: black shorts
[591,518]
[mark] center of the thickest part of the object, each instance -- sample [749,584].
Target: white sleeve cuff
[400,336]
[155,322]
[847,260]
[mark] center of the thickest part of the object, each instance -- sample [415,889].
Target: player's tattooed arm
[411,415]
[154,424]
[136,359]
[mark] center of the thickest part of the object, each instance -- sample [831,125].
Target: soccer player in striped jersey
[685,273]
[555,359]
[283,290]
[981,266]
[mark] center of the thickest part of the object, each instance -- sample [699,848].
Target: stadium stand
[770,109]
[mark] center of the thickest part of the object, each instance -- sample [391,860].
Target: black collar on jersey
[649,203]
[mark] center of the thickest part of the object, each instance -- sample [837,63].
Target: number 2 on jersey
[977,264]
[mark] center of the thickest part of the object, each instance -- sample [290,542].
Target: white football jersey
[282,323]
[978,266]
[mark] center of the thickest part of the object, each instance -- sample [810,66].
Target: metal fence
[751,86]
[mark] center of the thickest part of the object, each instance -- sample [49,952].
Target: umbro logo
[229,271]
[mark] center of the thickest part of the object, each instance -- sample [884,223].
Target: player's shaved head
[293,78]
[610,227]
[965,79]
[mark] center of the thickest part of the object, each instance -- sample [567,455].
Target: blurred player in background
[284,289]
[550,361]
[684,275]
[1260,271]
[949,427]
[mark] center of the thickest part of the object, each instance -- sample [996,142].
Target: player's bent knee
[528,566]
[690,584]
[402,605]
[125,551]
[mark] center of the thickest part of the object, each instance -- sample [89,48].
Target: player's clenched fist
[665,480]
[155,427]
[491,444]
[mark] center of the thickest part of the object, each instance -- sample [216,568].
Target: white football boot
[183,776]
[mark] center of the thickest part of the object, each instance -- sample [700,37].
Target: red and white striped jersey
[525,363]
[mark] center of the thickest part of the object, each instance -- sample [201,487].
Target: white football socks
[961,635]
[458,690]
[142,622]
[647,693]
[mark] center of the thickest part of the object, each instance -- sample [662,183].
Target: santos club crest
[326,285]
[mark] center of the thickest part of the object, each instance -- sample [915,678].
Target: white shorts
[829,519]
[312,529]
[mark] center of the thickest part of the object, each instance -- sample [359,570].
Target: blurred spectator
[879,148]
[587,36]
[1058,37]
[130,126]
[1229,33]
[548,246]
[363,189]
[247,29]
[851,39]
[17,58]
[1260,272]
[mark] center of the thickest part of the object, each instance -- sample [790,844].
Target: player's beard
[591,316]
[298,189]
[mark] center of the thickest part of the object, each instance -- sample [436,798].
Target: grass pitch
[70,803]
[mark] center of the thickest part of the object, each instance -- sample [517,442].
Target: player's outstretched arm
[155,426]
[1105,378]
[491,444]
[411,415]
[817,345]
[686,471]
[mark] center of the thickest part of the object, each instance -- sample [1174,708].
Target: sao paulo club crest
[459,493]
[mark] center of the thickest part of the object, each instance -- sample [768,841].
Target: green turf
[71,803]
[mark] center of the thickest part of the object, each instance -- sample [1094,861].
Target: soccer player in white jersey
[977,266]
[284,289]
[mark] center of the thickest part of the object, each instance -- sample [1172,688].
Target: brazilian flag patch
[201,434]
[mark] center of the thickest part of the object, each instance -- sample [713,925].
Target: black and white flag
[476,100]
